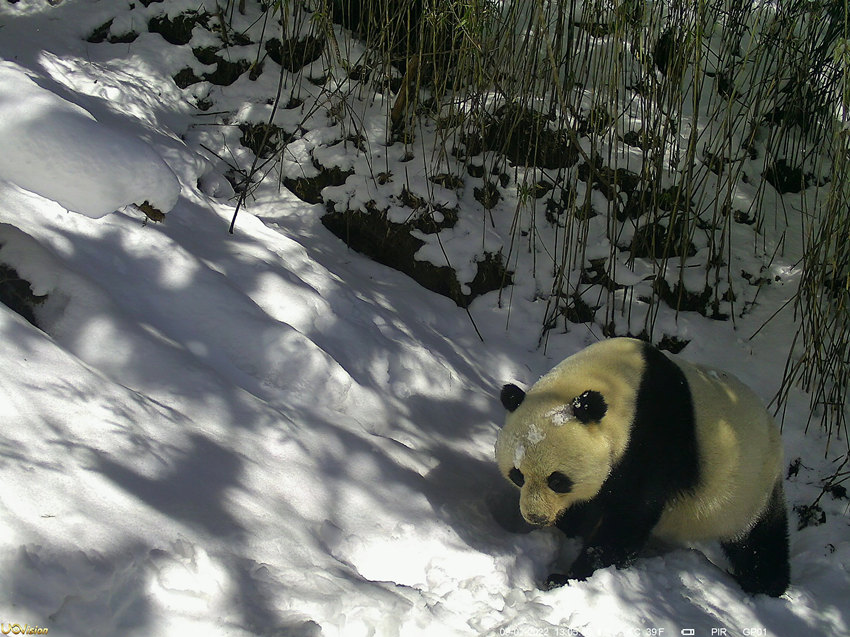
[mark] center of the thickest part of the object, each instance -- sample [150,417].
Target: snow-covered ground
[266,433]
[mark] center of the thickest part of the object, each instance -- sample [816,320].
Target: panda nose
[537,520]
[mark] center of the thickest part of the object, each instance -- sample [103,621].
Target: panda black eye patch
[559,483]
[589,407]
[516,477]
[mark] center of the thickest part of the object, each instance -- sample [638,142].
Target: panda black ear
[589,407]
[512,397]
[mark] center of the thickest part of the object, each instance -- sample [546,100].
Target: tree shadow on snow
[193,493]
[472,497]
[110,592]
[78,592]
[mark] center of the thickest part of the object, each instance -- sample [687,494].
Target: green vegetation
[633,144]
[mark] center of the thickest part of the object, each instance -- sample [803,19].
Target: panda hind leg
[760,558]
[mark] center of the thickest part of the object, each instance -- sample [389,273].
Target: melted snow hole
[187,579]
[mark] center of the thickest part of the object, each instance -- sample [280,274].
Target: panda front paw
[555,580]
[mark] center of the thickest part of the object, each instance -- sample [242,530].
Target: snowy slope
[265,433]
[93,169]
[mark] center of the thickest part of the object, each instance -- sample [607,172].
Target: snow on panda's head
[561,439]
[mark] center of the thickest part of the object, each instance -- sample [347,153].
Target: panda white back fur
[619,442]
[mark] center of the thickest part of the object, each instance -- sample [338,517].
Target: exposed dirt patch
[683,300]
[264,140]
[293,54]
[524,137]
[786,178]
[177,30]
[103,33]
[578,311]
[309,189]
[16,294]
[393,244]
[488,195]
[659,240]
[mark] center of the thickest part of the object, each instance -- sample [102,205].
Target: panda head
[562,438]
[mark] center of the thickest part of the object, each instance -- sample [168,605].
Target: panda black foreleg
[580,520]
[760,558]
[617,540]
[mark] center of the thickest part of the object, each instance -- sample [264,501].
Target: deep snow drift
[57,149]
[265,433]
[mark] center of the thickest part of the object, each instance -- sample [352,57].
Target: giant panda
[620,442]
